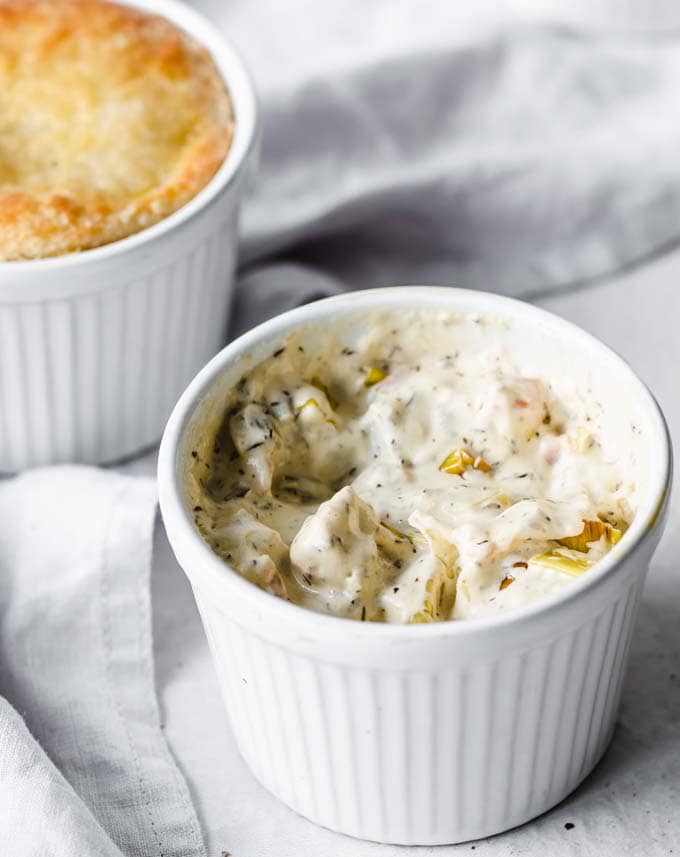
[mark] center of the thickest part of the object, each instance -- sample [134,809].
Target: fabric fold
[39,811]
[523,159]
[76,662]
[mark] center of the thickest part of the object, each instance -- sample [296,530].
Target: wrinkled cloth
[401,144]
[84,767]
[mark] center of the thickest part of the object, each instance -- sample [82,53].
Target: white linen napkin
[87,770]
[455,144]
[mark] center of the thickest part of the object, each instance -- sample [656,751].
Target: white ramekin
[95,347]
[422,734]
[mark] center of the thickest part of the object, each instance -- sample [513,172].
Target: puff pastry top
[110,120]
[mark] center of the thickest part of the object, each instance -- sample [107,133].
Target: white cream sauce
[327,481]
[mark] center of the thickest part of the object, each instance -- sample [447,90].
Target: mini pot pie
[110,120]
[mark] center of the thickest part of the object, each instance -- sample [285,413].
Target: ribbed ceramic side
[92,378]
[425,757]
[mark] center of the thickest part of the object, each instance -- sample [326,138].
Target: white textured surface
[425,756]
[71,384]
[84,768]
[627,807]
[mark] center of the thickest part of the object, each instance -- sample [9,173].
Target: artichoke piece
[317,382]
[458,461]
[374,376]
[395,532]
[394,546]
[335,553]
[439,599]
[264,573]
[614,535]
[255,550]
[592,532]
[425,591]
[309,403]
[313,403]
[250,428]
[480,464]
[564,561]
[252,432]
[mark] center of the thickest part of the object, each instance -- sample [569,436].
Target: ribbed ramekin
[95,347]
[422,734]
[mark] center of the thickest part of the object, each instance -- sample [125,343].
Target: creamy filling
[405,479]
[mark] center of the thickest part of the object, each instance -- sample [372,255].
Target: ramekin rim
[180,526]
[246,124]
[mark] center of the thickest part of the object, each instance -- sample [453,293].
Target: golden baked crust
[110,120]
